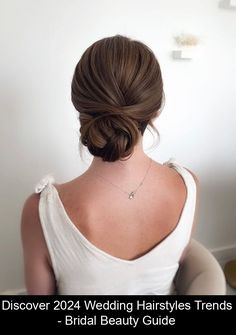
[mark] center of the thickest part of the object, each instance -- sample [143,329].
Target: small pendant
[131,195]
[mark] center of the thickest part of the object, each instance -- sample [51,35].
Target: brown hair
[117,89]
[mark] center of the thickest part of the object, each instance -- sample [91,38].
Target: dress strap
[43,183]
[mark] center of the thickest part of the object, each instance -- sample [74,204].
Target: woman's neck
[136,161]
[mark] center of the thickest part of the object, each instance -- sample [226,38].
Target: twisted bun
[110,136]
[117,89]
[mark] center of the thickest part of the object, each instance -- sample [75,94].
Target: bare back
[121,227]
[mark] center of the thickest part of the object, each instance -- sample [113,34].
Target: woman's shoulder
[172,163]
[179,180]
[30,220]
[29,215]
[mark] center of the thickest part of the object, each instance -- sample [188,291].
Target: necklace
[131,194]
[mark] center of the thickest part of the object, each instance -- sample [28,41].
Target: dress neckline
[146,255]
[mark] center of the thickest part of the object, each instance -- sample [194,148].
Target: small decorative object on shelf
[228,4]
[186,45]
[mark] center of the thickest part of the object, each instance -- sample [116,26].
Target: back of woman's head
[117,89]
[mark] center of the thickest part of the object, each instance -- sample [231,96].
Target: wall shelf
[183,54]
[228,4]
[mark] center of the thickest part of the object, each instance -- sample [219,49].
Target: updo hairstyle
[117,89]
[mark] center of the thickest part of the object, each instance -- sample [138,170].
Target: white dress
[81,268]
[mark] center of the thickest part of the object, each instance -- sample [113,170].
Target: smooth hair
[117,89]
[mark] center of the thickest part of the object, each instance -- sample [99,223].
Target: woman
[123,225]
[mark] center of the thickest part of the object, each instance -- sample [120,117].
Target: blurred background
[41,43]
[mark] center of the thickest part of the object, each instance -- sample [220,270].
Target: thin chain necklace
[131,194]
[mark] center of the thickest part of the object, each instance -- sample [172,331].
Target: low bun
[109,136]
[117,89]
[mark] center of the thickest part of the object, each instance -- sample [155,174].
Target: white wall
[41,42]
